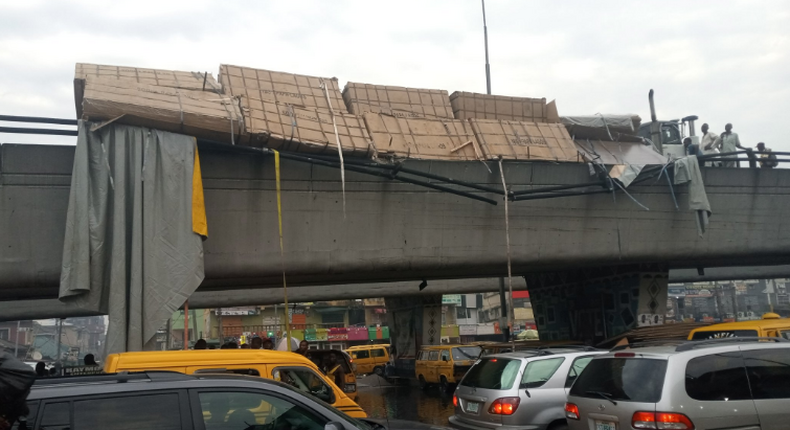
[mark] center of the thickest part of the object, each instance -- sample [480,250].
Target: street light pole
[485,41]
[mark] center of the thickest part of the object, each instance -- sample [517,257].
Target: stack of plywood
[422,138]
[485,106]
[290,128]
[183,102]
[285,88]
[397,101]
[517,140]
[197,113]
[195,81]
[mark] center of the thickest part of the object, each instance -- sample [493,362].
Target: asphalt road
[382,400]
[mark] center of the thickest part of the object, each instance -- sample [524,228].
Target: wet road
[383,400]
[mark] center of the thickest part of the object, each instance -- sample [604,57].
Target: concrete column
[414,321]
[591,305]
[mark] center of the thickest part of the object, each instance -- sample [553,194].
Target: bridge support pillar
[414,321]
[590,305]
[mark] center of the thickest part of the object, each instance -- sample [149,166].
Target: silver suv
[735,383]
[524,390]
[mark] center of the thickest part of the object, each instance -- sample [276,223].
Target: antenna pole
[485,40]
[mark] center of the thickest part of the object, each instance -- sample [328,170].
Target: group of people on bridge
[725,143]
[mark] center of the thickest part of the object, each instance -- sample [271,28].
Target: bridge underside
[393,231]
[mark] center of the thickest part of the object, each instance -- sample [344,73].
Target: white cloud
[723,61]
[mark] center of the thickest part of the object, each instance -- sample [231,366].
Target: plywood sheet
[518,140]
[287,88]
[289,128]
[397,101]
[422,138]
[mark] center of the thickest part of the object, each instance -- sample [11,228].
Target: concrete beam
[398,232]
[729,273]
[54,308]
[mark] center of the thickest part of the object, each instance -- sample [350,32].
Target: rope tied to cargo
[339,148]
[282,248]
[224,106]
[507,244]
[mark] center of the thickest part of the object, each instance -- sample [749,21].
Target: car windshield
[466,353]
[626,379]
[718,334]
[492,374]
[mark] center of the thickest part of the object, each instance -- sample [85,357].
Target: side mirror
[445,359]
[333,425]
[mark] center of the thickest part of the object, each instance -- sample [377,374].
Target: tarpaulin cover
[687,170]
[131,249]
[610,153]
[603,127]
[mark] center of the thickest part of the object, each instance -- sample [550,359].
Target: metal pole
[504,313]
[186,324]
[485,39]
[219,326]
[58,362]
[167,335]
[16,341]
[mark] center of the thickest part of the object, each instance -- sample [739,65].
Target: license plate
[605,425]
[472,407]
[350,388]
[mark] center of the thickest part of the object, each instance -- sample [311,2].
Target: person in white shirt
[727,142]
[708,138]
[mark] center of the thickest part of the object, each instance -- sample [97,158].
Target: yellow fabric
[332,372]
[199,223]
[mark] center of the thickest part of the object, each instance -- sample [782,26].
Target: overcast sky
[723,61]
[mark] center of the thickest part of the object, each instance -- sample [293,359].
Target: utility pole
[16,341]
[485,41]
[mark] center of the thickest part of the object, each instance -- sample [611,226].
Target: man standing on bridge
[708,138]
[726,143]
[767,158]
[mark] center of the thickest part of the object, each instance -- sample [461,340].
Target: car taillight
[661,421]
[571,411]
[504,406]
[455,400]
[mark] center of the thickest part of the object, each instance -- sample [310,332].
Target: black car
[175,401]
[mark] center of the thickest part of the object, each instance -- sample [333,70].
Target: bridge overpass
[396,232]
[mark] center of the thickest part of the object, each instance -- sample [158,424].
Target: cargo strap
[509,267]
[339,148]
[282,249]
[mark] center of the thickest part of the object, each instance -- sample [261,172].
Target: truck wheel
[378,370]
[444,385]
[423,384]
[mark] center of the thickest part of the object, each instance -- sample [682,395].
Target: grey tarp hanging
[687,170]
[130,251]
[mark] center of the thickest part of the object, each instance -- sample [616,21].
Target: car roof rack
[693,344]
[570,346]
[649,343]
[120,377]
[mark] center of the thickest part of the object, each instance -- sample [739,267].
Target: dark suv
[174,401]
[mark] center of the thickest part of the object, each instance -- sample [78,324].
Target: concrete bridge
[396,232]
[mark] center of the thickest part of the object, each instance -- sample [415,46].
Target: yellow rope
[282,250]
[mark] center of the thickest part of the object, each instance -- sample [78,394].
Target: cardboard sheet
[298,90]
[516,140]
[397,101]
[289,128]
[422,138]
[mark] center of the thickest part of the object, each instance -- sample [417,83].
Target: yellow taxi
[370,358]
[444,365]
[771,325]
[287,367]
[321,358]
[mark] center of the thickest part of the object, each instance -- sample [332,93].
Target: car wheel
[379,371]
[559,426]
[423,384]
[445,386]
